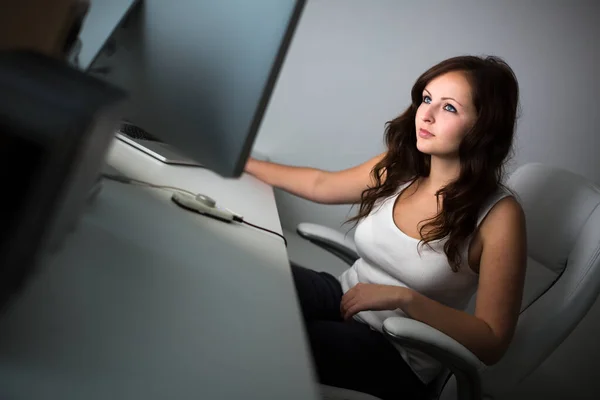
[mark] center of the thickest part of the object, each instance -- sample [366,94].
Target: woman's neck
[442,172]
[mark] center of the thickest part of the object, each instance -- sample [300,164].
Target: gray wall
[350,69]
[352,63]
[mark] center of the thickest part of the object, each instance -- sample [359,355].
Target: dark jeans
[349,354]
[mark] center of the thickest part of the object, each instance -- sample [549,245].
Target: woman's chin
[424,148]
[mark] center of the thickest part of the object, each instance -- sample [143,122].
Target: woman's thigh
[319,294]
[351,355]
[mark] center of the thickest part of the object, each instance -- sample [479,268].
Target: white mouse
[207,201]
[202,204]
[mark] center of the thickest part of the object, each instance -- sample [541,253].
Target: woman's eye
[450,107]
[426,99]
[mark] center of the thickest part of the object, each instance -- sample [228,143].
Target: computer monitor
[199,74]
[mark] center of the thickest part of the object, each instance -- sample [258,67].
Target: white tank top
[390,257]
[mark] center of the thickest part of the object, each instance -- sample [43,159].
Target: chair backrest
[563,272]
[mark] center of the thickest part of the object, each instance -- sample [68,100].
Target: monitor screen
[199,74]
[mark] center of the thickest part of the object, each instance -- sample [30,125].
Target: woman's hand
[368,296]
[249,164]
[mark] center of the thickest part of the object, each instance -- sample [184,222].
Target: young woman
[435,225]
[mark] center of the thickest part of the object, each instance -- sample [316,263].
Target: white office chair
[562,282]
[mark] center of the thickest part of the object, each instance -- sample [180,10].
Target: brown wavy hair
[483,152]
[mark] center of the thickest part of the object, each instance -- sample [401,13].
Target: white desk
[149,301]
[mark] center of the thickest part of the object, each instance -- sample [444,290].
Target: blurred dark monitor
[56,124]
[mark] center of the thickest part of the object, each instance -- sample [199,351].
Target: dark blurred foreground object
[56,124]
[48,27]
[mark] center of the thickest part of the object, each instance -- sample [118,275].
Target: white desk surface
[149,301]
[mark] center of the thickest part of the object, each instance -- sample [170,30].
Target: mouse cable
[241,220]
[131,181]
[236,217]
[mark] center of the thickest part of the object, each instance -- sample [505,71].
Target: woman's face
[445,115]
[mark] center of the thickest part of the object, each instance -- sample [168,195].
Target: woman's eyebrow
[445,98]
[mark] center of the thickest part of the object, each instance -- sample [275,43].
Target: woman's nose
[427,115]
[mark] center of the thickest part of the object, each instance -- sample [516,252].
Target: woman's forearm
[472,332]
[300,181]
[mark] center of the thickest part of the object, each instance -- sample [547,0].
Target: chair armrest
[331,240]
[466,367]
